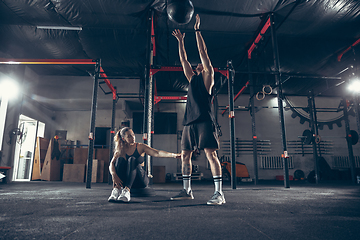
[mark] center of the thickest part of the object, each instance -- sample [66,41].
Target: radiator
[274,162]
[343,162]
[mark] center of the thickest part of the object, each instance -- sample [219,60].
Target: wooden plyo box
[81,155]
[97,171]
[51,168]
[103,154]
[158,174]
[74,173]
[39,158]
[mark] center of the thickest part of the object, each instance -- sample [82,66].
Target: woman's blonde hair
[118,139]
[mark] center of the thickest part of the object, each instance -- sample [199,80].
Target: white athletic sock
[218,183]
[187,182]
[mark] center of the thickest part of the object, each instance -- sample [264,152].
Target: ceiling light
[60,28]
[339,83]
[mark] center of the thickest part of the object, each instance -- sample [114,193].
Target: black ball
[180,11]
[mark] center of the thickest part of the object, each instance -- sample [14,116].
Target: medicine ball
[180,11]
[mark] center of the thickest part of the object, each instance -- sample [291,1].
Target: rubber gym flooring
[59,210]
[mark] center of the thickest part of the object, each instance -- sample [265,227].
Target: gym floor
[59,210]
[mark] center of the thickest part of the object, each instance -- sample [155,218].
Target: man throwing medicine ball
[199,131]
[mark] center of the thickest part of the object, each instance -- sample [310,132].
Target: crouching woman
[126,166]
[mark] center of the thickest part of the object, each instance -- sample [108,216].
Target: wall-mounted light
[60,28]
[354,86]
[8,89]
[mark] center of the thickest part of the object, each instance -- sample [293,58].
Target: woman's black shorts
[199,136]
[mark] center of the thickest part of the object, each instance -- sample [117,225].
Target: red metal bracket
[348,49]
[153,36]
[108,83]
[259,36]
[223,72]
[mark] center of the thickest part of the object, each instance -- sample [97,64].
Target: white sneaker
[217,199]
[114,195]
[124,195]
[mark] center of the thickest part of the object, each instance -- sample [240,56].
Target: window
[164,122]
[102,137]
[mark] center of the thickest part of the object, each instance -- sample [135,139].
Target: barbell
[308,137]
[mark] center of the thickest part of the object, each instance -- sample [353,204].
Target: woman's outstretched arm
[156,153]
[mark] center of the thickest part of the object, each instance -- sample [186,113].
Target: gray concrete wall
[77,123]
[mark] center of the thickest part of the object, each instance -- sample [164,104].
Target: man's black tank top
[198,104]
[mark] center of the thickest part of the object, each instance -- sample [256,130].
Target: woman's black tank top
[135,154]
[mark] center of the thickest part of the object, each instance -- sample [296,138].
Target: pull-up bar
[47,61]
[180,69]
[157,99]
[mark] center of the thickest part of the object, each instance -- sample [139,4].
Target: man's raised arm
[182,53]
[205,60]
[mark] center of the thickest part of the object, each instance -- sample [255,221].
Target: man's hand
[197,23]
[179,36]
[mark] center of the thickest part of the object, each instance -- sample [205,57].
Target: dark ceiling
[311,35]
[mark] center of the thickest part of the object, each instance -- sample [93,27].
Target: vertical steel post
[357,112]
[280,101]
[150,123]
[349,143]
[112,135]
[148,98]
[316,123]
[232,123]
[92,124]
[253,124]
[313,126]
[33,157]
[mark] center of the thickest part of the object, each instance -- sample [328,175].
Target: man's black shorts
[199,136]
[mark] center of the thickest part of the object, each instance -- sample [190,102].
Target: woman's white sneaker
[124,195]
[114,195]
